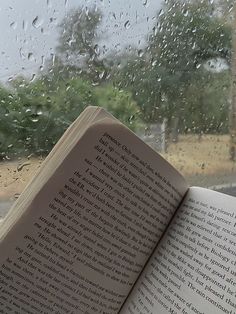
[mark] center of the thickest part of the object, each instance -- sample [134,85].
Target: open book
[108,226]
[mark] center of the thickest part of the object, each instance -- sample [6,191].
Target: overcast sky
[29,29]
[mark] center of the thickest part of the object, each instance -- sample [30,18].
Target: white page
[193,269]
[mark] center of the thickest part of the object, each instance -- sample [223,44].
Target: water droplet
[140,52]
[154,63]
[146,3]
[21,166]
[34,120]
[97,49]
[161,12]
[95,84]
[39,112]
[37,22]
[10,146]
[185,13]
[127,24]
[49,4]
[53,58]
[16,195]
[198,65]
[102,74]
[24,25]
[33,77]
[13,25]
[30,56]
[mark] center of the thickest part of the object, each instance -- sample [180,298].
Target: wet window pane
[166,69]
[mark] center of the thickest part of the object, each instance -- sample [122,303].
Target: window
[162,67]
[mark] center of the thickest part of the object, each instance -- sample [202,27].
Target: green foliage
[189,34]
[120,104]
[207,104]
[35,116]
[186,36]
[7,102]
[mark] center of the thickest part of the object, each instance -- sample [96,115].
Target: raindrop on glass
[96,49]
[146,3]
[30,56]
[32,77]
[13,25]
[16,195]
[154,63]
[140,53]
[49,5]
[161,12]
[102,74]
[127,24]
[37,22]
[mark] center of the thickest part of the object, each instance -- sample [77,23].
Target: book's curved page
[87,232]
[49,166]
[193,269]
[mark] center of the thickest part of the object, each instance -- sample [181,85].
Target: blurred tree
[207,104]
[78,43]
[120,104]
[41,112]
[187,34]
[7,101]
[32,120]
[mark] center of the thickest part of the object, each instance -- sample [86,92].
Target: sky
[29,29]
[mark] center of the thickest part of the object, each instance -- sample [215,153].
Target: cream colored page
[89,232]
[193,270]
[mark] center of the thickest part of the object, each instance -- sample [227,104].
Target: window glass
[162,67]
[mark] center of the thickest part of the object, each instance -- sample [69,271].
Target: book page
[193,269]
[81,245]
